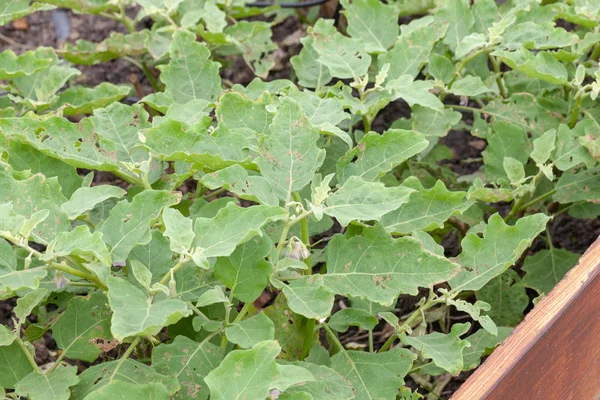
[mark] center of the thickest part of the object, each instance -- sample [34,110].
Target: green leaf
[189,362]
[289,154]
[501,246]
[582,185]
[377,267]
[320,111]
[99,376]
[543,65]
[115,46]
[231,227]
[82,100]
[469,86]
[546,268]
[481,342]
[344,56]
[506,141]
[14,365]
[569,151]
[311,73]
[255,369]
[190,74]
[444,350]
[543,147]
[178,229]
[116,390]
[374,375]
[540,36]
[288,328]
[83,327]
[27,303]
[86,198]
[507,297]
[6,336]
[238,112]
[245,272]
[212,296]
[135,314]
[343,319]
[177,141]
[328,385]
[460,21]
[358,199]
[45,386]
[441,68]
[411,51]
[23,157]
[237,180]
[475,312]
[309,298]
[427,209]
[432,122]
[414,92]
[28,63]
[377,154]
[253,40]
[39,88]
[33,194]
[372,21]
[84,6]
[156,255]
[129,223]
[15,9]
[251,331]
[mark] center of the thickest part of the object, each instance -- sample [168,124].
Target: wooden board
[554,353]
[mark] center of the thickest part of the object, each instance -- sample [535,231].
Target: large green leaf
[372,21]
[358,199]
[377,154]
[546,268]
[582,185]
[116,390]
[82,100]
[374,375]
[245,272]
[39,89]
[328,385]
[15,9]
[38,386]
[115,46]
[189,362]
[289,153]
[34,194]
[460,21]
[542,65]
[251,331]
[376,267]
[13,66]
[127,370]
[134,312]
[255,371]
[86,198]
[485,258]
[507,297]
[236,179]
[481,341]
[289,330]
[13,365]
[129,222]
[190,74]
[82,244]
[311,73]
[84,326]
[427,209]
[231,227]
[505,141]
[344,56]
[253,40]
[444,350]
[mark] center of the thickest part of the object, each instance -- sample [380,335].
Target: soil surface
[38,30]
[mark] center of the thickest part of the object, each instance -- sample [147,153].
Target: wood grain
[555,352]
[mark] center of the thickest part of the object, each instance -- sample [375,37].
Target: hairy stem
[575,112]
[28,355]
[499,81]
[180,264]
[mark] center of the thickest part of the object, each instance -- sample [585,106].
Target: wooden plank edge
[528,332]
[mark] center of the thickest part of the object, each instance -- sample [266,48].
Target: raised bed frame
[554,353]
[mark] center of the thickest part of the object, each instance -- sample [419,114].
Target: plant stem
[464,63]
[181,263]
[28,355]
[575,113]
[244,311]
[333,337]
[366,123]
[539,198]
[515,209]
[370,340]
[125,356]
[215,193]
[499,81]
